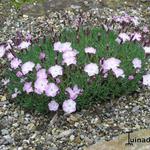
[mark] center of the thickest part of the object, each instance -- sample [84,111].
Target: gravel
[23,130]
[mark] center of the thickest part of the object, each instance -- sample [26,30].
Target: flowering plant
[76,69]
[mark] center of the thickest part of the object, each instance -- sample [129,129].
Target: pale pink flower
[66,47]
[15,94]
[42,74]
[145,29]
[57,46]
[91,69]
[62,47]
[28,87]
[135,20]
[27,67]
[38,67]
[105,75]
[70,54]
[136,36]
[5,81]
[28,37]
[147,50]
[2,51]
[15,63]
[24,45]
[131,77]
[137,63]
[55,71]
[19,74]
[119,72]
[90,50]
[110,63]
[146,80]
[69,106]
[58,80]
[122,37]
[10,56]
[51,90]
[53,106]
[42,56]
[40,85]
[8,47]
[74,92]
[70,61]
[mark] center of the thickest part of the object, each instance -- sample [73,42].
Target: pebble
[72,137]
[8,138]
[65,133]
[4,132]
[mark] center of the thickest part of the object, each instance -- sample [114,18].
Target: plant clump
[79,67]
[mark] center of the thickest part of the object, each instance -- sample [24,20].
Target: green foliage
[100,89]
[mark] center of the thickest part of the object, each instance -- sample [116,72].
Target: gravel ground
[21,130]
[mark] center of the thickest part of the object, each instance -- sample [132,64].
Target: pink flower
[2,50]
[24,45]
[40,85]
[135,20]
[136,36]
[146,80]
[19,74]
[70,61]
[110,63]
[119,72]
[38,67]
[55,71]
[10,56]
[122,37]
[28,37]
[58,80]
[5,81]
[62,47]
[69,106]
[27,67]
[51,90]
[15,63]
[28,87]
[8,47]
[131,77]
[53,106]
[66,47]
[91,69]
[42,56]
[70,54]
[137,63]
[42,74]
[73,93]
[147,50]
[15,94]
[145,29]
[90,50]
[57,46]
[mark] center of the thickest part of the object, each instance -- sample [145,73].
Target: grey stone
[8,138]
[4,132]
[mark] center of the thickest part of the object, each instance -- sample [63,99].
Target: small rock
[72,118]
[8,138]
[72,137]
[65,133]
[135,109]
[31,126]
[15,125]
[4,132]
[88,140]
[54,119]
